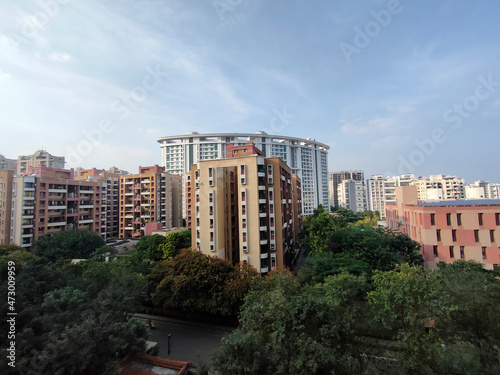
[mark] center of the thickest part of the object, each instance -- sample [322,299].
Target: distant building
[6,178]
[110,183]
[449,229]
[46,201]
[307,158]
[352,195]
[7,164]
[245,209]
[381,190]
[149,201]
[336,178]
[453,187]
[41,158]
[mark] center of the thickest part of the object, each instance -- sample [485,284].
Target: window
[211,223]
[244,237]
[272,235]
[497,219]
[476,235]
[454,235]
[480,218]
[492,235]
[462,252]
[243,210]
[448,219]
[210,197]
[271,221]
[452,252]
[212,248]
[435,249]
[210,172]
[433,219]
[211,236]
[243,223]
[271,208]
[243,196]
[438,234]
[483,251]
[459,219]
[211,210]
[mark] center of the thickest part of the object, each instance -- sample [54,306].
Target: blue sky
[391,86]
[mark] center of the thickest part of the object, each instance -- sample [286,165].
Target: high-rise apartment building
[41,158]
[47,200]
[336,178]
[150,200]
[351,195]
[307,158]
[449,229]
[453,187]
[6,178]
[245,209]
[110,183]
[7,164]
[381,190]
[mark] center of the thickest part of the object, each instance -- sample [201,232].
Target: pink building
[448,230]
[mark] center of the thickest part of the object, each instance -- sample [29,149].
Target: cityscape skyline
[389,86]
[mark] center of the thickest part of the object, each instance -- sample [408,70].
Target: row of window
[476,235]
[480,218]
[462,251]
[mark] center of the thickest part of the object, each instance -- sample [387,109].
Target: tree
[72,244]
[472,297]
[192,281]
[318,267]
[293,329]
[75,319]
[406,299]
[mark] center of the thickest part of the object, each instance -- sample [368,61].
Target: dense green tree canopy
[192,281]
[71,244]
[293,329]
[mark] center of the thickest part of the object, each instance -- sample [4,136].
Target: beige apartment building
[150,200]
[5,205]
[245,208]
[40,158]
[110,184]
[46,201]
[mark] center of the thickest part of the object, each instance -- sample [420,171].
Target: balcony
[86,191]
[86,221]
[263,242]
[56,224]
[264,269]
[56,207]
[262,187]
[264,255]
[58,190]
[86,206]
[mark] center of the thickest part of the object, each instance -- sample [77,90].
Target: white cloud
[375,126]
[60,57]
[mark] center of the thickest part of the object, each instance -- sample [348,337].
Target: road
[190,341]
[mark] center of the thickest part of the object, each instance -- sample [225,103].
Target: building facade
[6,179]
[336,178]
[307,158]
[41,158]
[46,201]
[7,164]
[110,183]
[149,200]
[381,190]
[351,195]
[449,229]
[245,209]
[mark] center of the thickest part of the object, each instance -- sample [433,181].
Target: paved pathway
[190,341]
